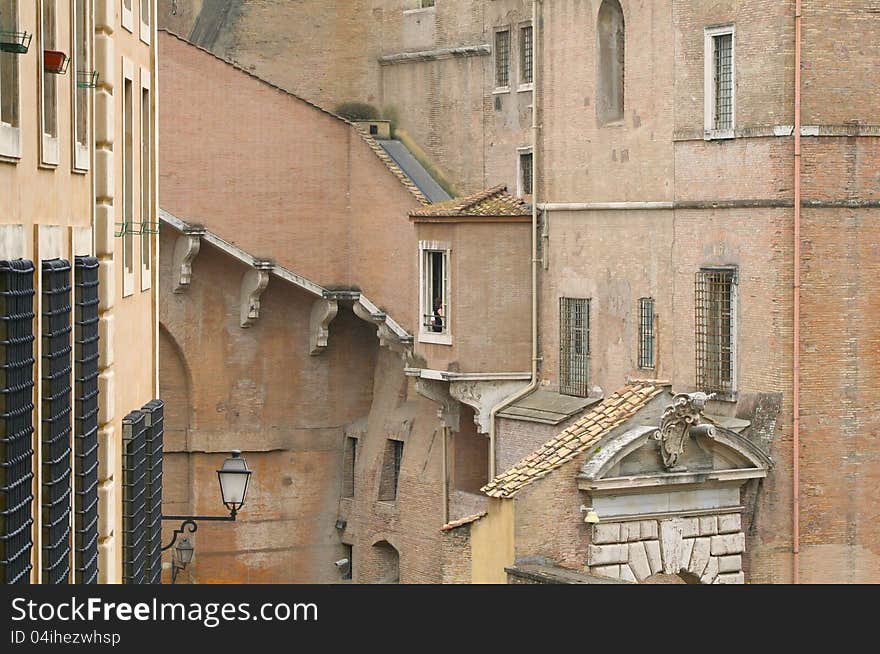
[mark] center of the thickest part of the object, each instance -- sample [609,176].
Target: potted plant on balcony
[55,62]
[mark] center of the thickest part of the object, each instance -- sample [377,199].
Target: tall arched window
[611,44]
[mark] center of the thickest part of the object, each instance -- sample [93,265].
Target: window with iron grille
[574,345]
[390,470]
[435,294]
[424,4]
[134,498]
[16,420]
[85,426]
[502,59]
[349,463]
[154,423]
[715,305]
[55,398]
[646,333]
[525,173]
[720,98]
[525,54]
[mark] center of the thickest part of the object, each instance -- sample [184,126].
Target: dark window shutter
[16,420]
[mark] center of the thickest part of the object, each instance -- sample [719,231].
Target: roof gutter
[533,384]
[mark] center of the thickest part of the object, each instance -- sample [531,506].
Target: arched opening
[387,561]
[611,46]
[683,577]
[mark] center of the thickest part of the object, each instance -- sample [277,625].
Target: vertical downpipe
[796,367]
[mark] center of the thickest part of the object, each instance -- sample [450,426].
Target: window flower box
[86,79]
[15,42]
[55,62]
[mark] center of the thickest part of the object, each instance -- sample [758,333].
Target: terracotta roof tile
[577,438]
[495,201]
[462,521]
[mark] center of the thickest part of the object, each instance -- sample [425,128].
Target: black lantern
[185,551]
[234,477]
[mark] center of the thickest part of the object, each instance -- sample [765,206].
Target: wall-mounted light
[591,516]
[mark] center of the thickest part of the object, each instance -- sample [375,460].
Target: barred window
[85,433]
[525,55]
[349,463]
[525,173]
[574,345]
[715,305]
[424,4]
[720,98]
[646,333]
[723,81]
[502,59]
[134,489]
[55,398]
[154,424]
[391,463]
[16,420]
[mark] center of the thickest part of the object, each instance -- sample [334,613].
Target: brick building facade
[666,205]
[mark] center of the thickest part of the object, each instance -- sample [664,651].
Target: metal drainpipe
[796,367]
[534,258]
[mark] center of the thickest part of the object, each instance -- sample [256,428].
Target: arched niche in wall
[610,62]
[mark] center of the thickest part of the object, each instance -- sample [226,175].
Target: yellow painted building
[78,248]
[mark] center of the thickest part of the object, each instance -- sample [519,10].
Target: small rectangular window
[525,55]
[502,59]
[525,173]
[127,16]
[349,465]
[715,305]
[646,333]
[424,4]
[348,569]
[10,137]
[574,346]
[392,460]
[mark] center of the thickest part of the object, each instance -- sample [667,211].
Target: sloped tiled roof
[370,141]
[577,438]
[462,521]
[495,201]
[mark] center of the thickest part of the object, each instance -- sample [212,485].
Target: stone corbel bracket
[186,248]
[389,333]
[253,283]
[449,410]
[324,310]
[482,396]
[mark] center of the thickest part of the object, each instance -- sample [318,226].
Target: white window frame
[497,30]
[10,135]
[146,28]
[128,275]
[80,151]
[519,172]
[127,15]
[425,306]
[524,86]
[50,155]
[709,82]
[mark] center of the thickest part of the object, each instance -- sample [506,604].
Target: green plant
[357,111]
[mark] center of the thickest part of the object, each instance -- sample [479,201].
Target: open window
[86,80]
[434,293]
[53,63]
[13,43]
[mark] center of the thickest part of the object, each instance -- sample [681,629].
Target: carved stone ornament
[680,420]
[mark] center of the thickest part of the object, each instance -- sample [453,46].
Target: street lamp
[234,477]
[183,556]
